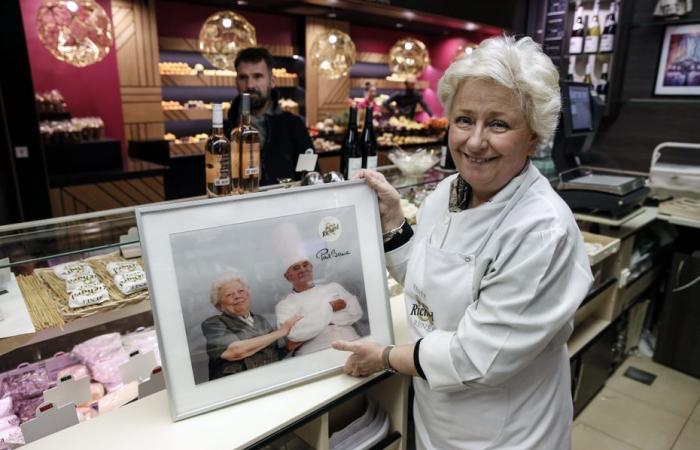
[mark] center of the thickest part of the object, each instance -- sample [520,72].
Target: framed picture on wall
[678,70]
[248,292]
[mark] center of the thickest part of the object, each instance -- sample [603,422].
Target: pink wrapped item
[144,340]
[103,355]
[58,362]
[11,438]
[77,371]
[27,381]
[8,422]
[6,408]
[25,409]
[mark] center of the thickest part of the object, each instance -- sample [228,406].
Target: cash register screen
[580,108]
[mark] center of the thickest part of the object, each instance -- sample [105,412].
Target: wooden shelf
[14,342]
[201,80]
[381,83]
[189,114]
[178,150]
[585,333]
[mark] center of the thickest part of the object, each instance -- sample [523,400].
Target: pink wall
[177,19]
[441,49]
[88,91]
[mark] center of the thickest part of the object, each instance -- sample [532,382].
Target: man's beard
[257,100]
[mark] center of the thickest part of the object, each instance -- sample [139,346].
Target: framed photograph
[248,292]
[679,64]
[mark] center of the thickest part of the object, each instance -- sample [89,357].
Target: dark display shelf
[65,115]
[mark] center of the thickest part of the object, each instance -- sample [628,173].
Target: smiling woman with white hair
[495,270]
[238,339]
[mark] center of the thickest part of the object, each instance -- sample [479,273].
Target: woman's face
[235,299]
[489,136]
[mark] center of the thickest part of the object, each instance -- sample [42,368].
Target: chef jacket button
[468,259]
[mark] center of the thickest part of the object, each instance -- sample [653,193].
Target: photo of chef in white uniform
[256,293]
[327,310]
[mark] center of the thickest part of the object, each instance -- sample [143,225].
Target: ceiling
[436,17]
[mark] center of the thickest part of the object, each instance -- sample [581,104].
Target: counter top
[146,423]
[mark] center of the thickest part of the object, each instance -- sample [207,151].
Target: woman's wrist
[391,224]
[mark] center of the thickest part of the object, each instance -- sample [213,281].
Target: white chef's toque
[289,245]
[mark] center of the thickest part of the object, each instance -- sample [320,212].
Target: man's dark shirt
[286,137]
[406,103]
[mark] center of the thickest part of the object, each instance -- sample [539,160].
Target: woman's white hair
[215,296]
[519,65]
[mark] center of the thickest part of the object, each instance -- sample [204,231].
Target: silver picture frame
[188,244]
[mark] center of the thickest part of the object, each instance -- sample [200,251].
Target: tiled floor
[629,415]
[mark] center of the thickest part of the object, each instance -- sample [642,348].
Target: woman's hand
[365,360]
[287,325]
[390,211]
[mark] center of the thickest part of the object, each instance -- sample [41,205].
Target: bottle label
[591,44]
[372,162]
[251,159]
[354,164]
[217,169]
[606,43]
[575,45]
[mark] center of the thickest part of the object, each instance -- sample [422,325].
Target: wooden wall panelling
[324,97]
[136,40]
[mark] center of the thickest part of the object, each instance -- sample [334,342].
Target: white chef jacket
[492,291]
[319,325]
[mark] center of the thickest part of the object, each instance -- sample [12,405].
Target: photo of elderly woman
[237,339]
[256,293]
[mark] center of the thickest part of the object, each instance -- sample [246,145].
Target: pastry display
[182,68]
[175,68]
[78,129]
[197,138]
[323,145]
[287,104]
[51,101]
[282,73]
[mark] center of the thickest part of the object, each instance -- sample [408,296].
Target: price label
[307,161]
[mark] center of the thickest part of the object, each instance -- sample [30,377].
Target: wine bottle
[570,74]
[576,40]
[607,40]
[592,40]
[602,88]
[369,142]
[351,154]
[588,77]
[217,157]
[245,153]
